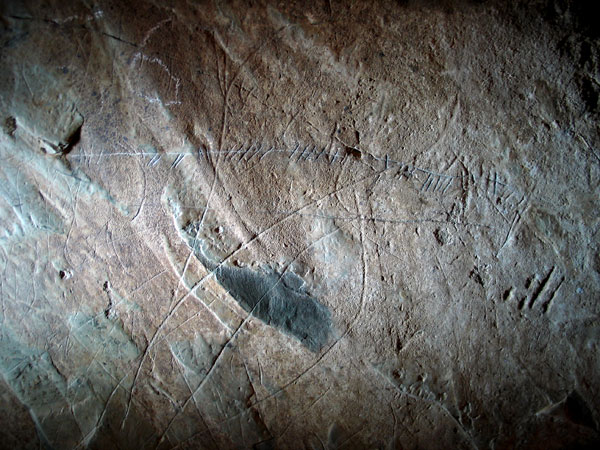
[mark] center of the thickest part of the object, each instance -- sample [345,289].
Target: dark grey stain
[274,299]
[278,300]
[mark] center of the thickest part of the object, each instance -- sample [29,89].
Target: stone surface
[299,225]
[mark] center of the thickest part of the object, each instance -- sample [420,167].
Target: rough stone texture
[299,224]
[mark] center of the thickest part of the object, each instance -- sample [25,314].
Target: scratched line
[341,217]
[430,181]
[308,153]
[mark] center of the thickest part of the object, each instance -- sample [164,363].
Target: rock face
[299,225]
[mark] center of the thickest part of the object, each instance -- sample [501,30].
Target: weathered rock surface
[297,225]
